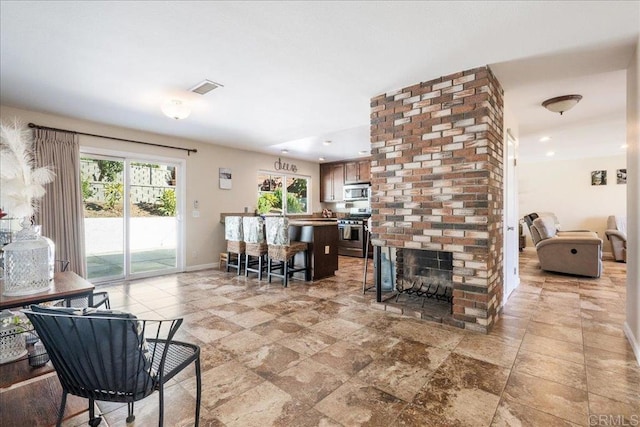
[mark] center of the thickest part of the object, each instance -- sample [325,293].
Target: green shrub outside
[167,202]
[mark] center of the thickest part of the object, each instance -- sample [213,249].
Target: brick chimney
[437,168]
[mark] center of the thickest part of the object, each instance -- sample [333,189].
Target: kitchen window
[282,193]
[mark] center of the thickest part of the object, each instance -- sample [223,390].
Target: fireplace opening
[423,284]
[428,270]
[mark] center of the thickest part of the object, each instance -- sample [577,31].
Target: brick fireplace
[437,162]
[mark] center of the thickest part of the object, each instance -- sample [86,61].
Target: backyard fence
[148,183]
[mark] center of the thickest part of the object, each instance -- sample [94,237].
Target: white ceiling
[298,73]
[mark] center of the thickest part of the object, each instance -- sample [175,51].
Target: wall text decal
[279,165]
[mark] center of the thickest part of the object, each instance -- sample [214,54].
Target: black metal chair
[99,299]
[114,357]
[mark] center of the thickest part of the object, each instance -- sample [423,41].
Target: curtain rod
[188,150]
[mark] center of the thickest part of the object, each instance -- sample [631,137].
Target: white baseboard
[635,345]
[202,267]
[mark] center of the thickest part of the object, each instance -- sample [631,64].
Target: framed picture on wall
[225,178]
[621,176]
[599,178]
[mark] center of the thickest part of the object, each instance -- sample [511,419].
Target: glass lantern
[52,250]
[26,263]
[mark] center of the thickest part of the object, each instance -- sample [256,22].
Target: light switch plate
[327,249]
[195,214]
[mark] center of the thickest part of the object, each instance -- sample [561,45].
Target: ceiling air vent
[205,86]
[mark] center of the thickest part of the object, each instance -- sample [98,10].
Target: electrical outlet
[327,249]
[195,214]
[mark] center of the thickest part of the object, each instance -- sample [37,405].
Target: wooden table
[20,384]
[19,371]
[64,285]
[36,403]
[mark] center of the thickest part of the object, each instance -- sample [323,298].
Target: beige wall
[564,187]
[204,236]
[632,325]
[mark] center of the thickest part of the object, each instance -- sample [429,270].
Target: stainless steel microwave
[357,192]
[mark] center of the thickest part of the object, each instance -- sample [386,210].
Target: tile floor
[318,354]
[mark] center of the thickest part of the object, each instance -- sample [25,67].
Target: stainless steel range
[352,238]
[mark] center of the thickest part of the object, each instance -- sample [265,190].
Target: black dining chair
[100,299]
[113,356]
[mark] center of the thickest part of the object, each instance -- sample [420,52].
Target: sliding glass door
[131,217]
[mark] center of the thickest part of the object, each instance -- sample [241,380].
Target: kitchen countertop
[320,222]
[314,219]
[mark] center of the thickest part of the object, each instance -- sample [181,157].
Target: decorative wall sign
[225,178]
[621,176]
[599,178]
[279,165]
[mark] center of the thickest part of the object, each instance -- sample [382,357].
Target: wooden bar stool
[255,245]
[283,250]
[223,260]
[235,244]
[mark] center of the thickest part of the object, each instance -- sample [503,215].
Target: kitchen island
[322,237]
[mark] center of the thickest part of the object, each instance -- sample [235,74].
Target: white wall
[632,324]
[204,235]
[511,269]
[564,187]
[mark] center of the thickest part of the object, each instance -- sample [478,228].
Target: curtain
[61,211]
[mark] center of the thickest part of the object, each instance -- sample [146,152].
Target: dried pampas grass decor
[21,184]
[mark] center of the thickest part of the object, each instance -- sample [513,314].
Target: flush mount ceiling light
[560,104]
[545,139]
[327,142]
[284,151]
[363,152]
[176,109]
[322,159]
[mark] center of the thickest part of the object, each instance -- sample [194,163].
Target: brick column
[437,166]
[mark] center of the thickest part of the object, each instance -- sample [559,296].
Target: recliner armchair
[574,252]
[535,236]
[617,234]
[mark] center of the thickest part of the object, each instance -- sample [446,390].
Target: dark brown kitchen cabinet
[332,179]
[357,171]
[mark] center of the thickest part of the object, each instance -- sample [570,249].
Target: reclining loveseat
[577,252]
[617,234]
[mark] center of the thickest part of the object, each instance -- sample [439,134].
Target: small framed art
[599,177]
[225,178]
